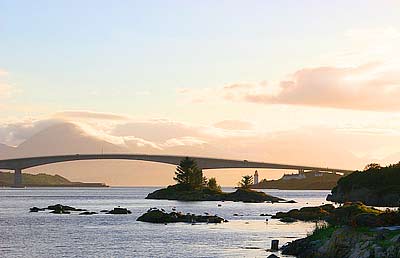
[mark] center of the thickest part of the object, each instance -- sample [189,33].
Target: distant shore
[43,180]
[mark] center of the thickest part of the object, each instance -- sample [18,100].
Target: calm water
[25,234]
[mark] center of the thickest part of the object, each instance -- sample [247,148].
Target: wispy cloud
[371,86]
[234,125]
[366,87]
[90,115]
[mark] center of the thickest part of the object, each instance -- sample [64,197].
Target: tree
[373,166]
[246,182]
[187,173]
[212,184]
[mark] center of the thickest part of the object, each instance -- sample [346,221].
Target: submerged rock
[88,213]
[159,216]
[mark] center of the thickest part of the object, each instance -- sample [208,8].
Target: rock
[158,216]
[272,256]
[395,239]
[36,209]
[60,212]
[366,220]
[287,220]
[290,201]
[104,211]
[63,207]
[119,210]
[307,213]
[88,213]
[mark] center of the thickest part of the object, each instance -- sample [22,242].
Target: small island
[193,186]
[43,180]
[375,186]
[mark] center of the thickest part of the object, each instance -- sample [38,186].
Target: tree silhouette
[246,182]
[212,184]
[188,173]
[373,166]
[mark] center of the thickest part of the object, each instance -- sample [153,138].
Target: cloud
[14,133]
[158,130]
[3,73]
[183,141]
[372,86]
[234,125]
[89,115]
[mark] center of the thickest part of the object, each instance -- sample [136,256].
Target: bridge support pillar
[18,177]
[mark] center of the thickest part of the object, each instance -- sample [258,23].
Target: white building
[256,177]
[293,176]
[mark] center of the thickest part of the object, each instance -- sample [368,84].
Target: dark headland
[43,180]
[375,186]
[312,180]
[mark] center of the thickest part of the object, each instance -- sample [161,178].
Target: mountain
[65,138]
[6,151]
[68,138]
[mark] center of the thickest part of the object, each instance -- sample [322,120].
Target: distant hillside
[323,182]
[375,186]
[7,179]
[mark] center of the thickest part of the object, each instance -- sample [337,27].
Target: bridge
[19,164]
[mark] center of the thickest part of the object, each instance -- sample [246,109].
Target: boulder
[36,209]
[63,207]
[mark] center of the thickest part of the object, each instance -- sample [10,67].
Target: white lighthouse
[256,177]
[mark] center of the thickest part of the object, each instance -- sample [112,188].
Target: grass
[322,232]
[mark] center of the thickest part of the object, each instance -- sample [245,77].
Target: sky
[245,71]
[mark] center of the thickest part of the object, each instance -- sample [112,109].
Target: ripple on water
[41,234]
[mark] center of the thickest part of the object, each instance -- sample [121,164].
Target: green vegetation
[7,179]
[187,173]
[190,177]
[375,186]
[212,185]
[324,182]
[382,179]
[322,232]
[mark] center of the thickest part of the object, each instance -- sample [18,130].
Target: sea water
[42,234]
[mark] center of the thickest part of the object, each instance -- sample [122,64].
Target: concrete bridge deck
[205,163]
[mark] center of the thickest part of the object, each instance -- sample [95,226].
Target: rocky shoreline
[347,242]
[368,196]
[352,230]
